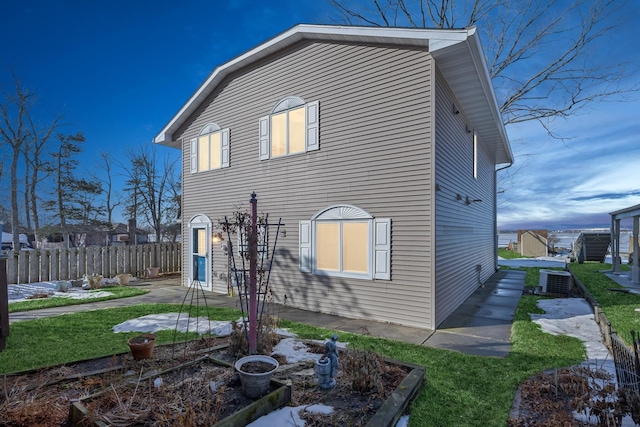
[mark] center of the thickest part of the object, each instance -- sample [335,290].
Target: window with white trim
[210,150]
[346,241]
[292,127]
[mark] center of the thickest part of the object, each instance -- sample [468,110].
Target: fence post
[73,264]
[82,262]
[34,265]
[4,303]
[635,342]
[55,265]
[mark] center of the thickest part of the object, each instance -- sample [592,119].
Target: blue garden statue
[327,365]
[331,351]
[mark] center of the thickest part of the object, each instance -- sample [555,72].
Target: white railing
[31,266]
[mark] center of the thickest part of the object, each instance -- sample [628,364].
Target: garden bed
[43,397]
[203,389]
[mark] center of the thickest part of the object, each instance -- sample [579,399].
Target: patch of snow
[560,261]
[78,294]
[170,321]
[289,416]
[574,317]
[403,421]
[294,351]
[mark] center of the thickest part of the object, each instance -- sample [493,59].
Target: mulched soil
[43,397]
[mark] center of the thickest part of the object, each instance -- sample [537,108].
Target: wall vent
[555,282]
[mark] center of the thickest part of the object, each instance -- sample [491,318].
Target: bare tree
[552,241]
[149,187]
[106,179]
[541,54]
[14,132]
[37,168]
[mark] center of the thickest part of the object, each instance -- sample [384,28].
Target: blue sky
[118,70]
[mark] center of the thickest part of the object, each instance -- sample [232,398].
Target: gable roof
[458,54]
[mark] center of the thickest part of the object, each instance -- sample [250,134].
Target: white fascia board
[629,212]
[431,39]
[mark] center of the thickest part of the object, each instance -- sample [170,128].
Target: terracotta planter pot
[142,346]
[152,272]
[123,279]
[95,282]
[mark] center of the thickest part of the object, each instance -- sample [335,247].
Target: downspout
[495,210]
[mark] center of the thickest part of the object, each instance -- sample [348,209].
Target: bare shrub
[363,370]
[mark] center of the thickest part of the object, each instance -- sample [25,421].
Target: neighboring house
[125,234]
[378,149]
[533,243]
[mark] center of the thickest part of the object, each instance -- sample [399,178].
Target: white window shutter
[304,239]
[382,248]
[224,148]
[194,155]
[264,138]
[313,116]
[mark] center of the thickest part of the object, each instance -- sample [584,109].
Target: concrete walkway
[480,326]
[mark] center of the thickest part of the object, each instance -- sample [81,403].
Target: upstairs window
[210,150]
[346,241]
[291,128]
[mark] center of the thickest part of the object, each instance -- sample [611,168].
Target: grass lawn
[617,306]
[39,303]
[507,254]
[460,390]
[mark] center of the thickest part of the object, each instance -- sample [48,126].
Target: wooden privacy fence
[69,264]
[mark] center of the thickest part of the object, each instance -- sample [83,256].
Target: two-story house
[378,148]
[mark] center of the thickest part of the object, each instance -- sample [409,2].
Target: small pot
[123,279]
[142,346]
[95,282]
[256,384]
[152,272]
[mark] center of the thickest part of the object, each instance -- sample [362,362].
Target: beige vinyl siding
[374,153]
[465,233]
[533,245]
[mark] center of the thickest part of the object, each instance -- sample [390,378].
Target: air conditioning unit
[555,282]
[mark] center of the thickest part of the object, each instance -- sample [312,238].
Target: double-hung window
[210,150]
[292,127]
[346,241]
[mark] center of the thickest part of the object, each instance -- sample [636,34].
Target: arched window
[292,127]
[346,241]
[210,150]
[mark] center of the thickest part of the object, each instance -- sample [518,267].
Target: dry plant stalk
[185,401]
[363,370]
[25,401]
[267,337]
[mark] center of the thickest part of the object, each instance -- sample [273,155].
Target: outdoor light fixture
[468,128]
[468,201]
[455,109]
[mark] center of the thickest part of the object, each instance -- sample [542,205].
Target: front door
[200,269]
